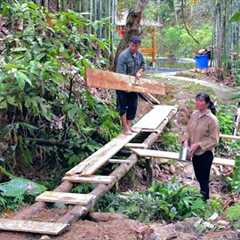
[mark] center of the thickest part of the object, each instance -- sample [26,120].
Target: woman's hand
[194,147]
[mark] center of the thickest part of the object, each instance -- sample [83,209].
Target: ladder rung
[89,179]
[119,161]
[64,197]
[136,145]
[48,228]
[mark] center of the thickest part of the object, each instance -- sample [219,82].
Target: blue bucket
[202,61]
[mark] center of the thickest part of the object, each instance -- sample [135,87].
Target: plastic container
[202,61]
[183,155]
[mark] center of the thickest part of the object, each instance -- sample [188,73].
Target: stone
[45,237]
[223,223]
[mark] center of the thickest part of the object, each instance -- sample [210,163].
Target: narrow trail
[222,91]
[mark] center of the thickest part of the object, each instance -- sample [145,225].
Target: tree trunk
[226,36]
[132,28]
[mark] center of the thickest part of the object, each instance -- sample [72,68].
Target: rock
[60,205]
[213,217]
[172,169]
[187,226]
[222,235]
[105,217]
[45,237]
[179,231]
[223,223]
[163,232]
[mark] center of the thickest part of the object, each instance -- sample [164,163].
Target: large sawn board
[104,79]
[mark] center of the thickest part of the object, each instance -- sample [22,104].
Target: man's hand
[139,74]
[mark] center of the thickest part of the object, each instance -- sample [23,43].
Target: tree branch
[185,24]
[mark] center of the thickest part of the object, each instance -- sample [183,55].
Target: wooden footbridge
[148,129]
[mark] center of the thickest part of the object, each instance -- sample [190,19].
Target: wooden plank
[63,197]
[99,158]
[89,179]
[153,119]
[49,228]
[118,161]
[231,137]
[147,51]
[175,156]
[110,80]
[90,165]
[136,145]
[119,172]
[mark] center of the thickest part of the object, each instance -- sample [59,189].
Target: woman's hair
[208,101]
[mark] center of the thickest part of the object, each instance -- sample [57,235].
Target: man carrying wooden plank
[129,62]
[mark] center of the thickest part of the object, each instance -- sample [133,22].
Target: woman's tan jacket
[202,128]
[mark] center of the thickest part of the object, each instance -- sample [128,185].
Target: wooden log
[89,179]
[110,80]
[49,228]
[99,158]
[100,190]
[66,198]
[118,173]
[175,156]
[230,137]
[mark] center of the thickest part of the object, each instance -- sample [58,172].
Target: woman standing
[201,136]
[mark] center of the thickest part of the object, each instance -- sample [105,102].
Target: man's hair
[135,40]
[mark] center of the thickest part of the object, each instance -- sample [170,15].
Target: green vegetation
[170,141]
[50,119]
[233,215]
[176,41]
[162,201]
[225,117]
[18,191]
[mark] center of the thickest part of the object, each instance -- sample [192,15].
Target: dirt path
[222,91]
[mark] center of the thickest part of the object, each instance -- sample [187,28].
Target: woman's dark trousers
[202,167]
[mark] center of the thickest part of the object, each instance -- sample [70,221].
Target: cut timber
[231,137]
[150,121]
[89,179]
[32,226]
[99,158]
[153,119]
[119,161]
[79,211]
[110,80]
[153,99]
[175,156]
[67,198]
[136,145]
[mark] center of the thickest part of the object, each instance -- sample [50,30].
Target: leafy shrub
[233,182]
[170,141]
[17,191]
[225,118]
[233,212]
[169,201]
[176,41]
[43,94]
